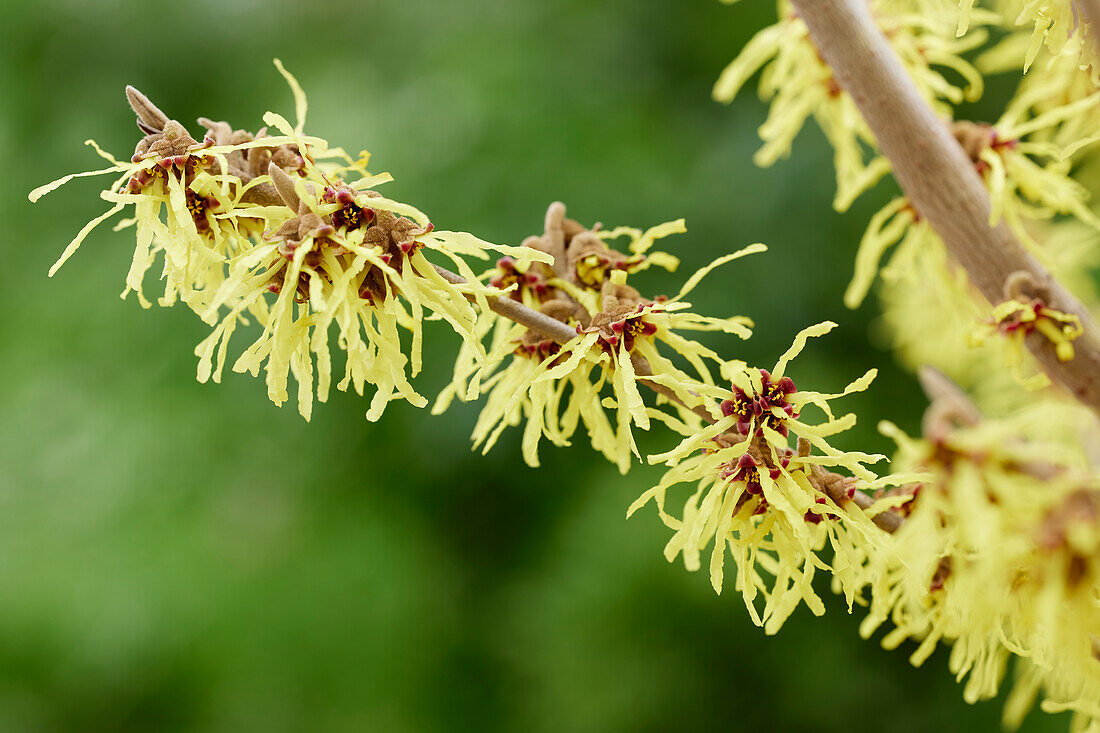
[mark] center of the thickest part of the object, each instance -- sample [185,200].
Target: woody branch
[941,182]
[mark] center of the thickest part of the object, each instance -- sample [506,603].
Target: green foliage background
[176,556]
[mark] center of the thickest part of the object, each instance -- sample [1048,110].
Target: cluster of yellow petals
[999,556]
[593,379]
[338,257]
[998,551]
[754,498]
[1054,26]
[1030,158]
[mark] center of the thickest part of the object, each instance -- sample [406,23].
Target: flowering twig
[940,180]
[834,485]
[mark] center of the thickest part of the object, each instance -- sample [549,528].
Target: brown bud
[284,185]
[150,118]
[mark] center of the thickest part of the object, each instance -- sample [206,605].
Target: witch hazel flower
[348,259]
[592,259]
[323,275]
[1017,319]
[525,284]
[1055,83]
[509,377]
[1026,172]
[998,556]
[179,191]
[583,260]
[761,503]
[1055,24]
[1028,180]
[1023,159]
[622,339]
[896,225]
[758,405]
[1025,312]
[1027,176]
[284,231]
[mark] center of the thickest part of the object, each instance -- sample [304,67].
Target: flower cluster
[1028,179]
[995,521]
[1023,159]
[619,340]
[998,556]
[1021,190]
[1054,24]
[1028,158]
[774,510]
[284,231]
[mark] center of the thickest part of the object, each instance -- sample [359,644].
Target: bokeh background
[186,557]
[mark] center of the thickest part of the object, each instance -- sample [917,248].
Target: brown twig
[643,369]
[549,327]
[940,180]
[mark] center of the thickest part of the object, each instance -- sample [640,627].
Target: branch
[513,310]
[940,180]
[948,404]
[643,369]
[833,485]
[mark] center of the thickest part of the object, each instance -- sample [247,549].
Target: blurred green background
[186,557]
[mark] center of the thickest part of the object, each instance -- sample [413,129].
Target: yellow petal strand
[53,185]
[75,244]
[301,106]
[800,343]
[878,237]
[658,232]
[755,54]
[695,279]
[104,154]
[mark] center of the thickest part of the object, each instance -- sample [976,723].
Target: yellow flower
[932,315]
[1021,189]
[178,187]
[593,378]
[998,555]
[1015,319]
[1055,23]
[285,231]
[755,498]
[1056,81]
[897,223]
[1028,178]
[356,259]
[929,312]
[925,293]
